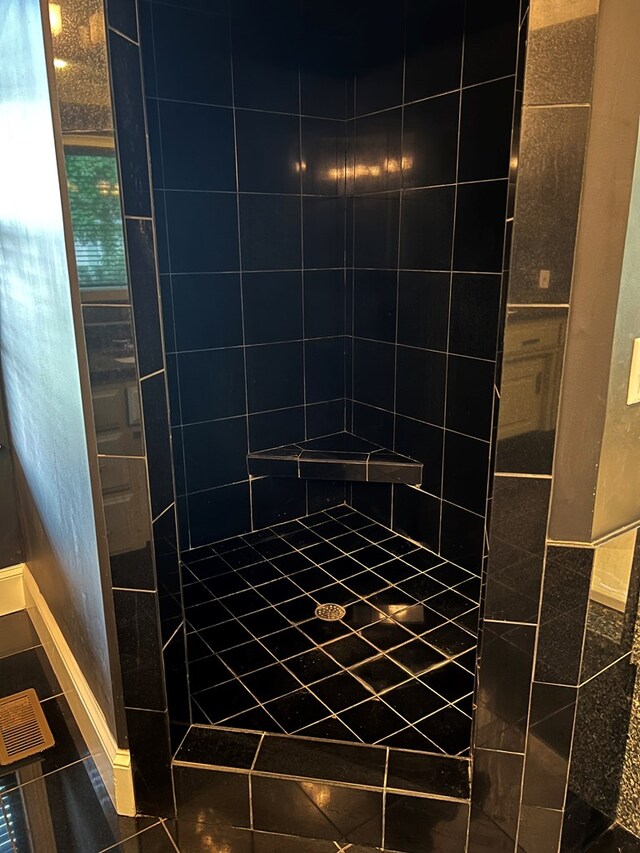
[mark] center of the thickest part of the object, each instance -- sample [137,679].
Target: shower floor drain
[330,612]
[24,730]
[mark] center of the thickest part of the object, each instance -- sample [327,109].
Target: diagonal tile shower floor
[396,670]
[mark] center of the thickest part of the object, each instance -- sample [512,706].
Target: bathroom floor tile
[260,659]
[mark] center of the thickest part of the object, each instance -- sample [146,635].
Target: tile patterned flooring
[55,801]
[397,670]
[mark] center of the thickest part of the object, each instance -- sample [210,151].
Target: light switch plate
[633,391]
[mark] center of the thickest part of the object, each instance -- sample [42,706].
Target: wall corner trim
[113,763]
[11,589]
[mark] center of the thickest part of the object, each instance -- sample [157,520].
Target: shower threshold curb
[296,758]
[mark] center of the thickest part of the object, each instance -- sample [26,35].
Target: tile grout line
[417,571]
[240,264]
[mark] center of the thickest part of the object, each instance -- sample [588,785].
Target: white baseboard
[113,763]
[11,589]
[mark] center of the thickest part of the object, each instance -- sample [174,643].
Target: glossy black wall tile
[496,789]
[197,43]
[203,306]
[375,243]
[229,505]
[563,614]
[475,314]
[427,213]
[501,716]
[122,17]
[434,120]
[126,509]
[424,443]
[156,428]
[462,536]
[276,500]
[212,796]
[174,656]
[324,303]
[424,369]
[527,421]
[423,309]
[417,515]
[144,295]
[142,675]
[193,246]
[260,291]
[548,745]
[516,548]
[413,822]
[480,226]
[151,759]
[197,147]
[469,404]
[205,469]
[275,376]
[222,369]
[485,130]
[126,74]
[434,35]
[539,829]
[273,137]
[318,810]
[466,472]
[491,40]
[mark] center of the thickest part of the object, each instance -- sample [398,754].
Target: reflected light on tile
[207,843]
[319,794]
[55,19]
[373,170]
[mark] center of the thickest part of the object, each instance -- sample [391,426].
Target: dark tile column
[537,598]
[146,581]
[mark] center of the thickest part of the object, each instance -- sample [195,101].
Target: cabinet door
[522,406]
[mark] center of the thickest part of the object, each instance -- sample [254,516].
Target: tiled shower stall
[300,305]
[331,204]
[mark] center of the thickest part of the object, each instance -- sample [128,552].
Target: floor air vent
[24,730]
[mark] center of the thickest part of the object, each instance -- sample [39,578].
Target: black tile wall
[137,622]
[408,159]
[551,723]
[249,201]
[428,163]
[501,716]
[411,820]
[544,704]
[144,294]
[563,614]
[151,759]
[139,498]
[497,785]
[516,557]
[126,75]
[343,814]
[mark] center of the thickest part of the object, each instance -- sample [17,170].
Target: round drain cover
[330,612]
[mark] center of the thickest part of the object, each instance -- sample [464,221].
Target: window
[94,196]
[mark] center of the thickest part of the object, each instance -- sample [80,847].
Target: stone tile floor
[398,668]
